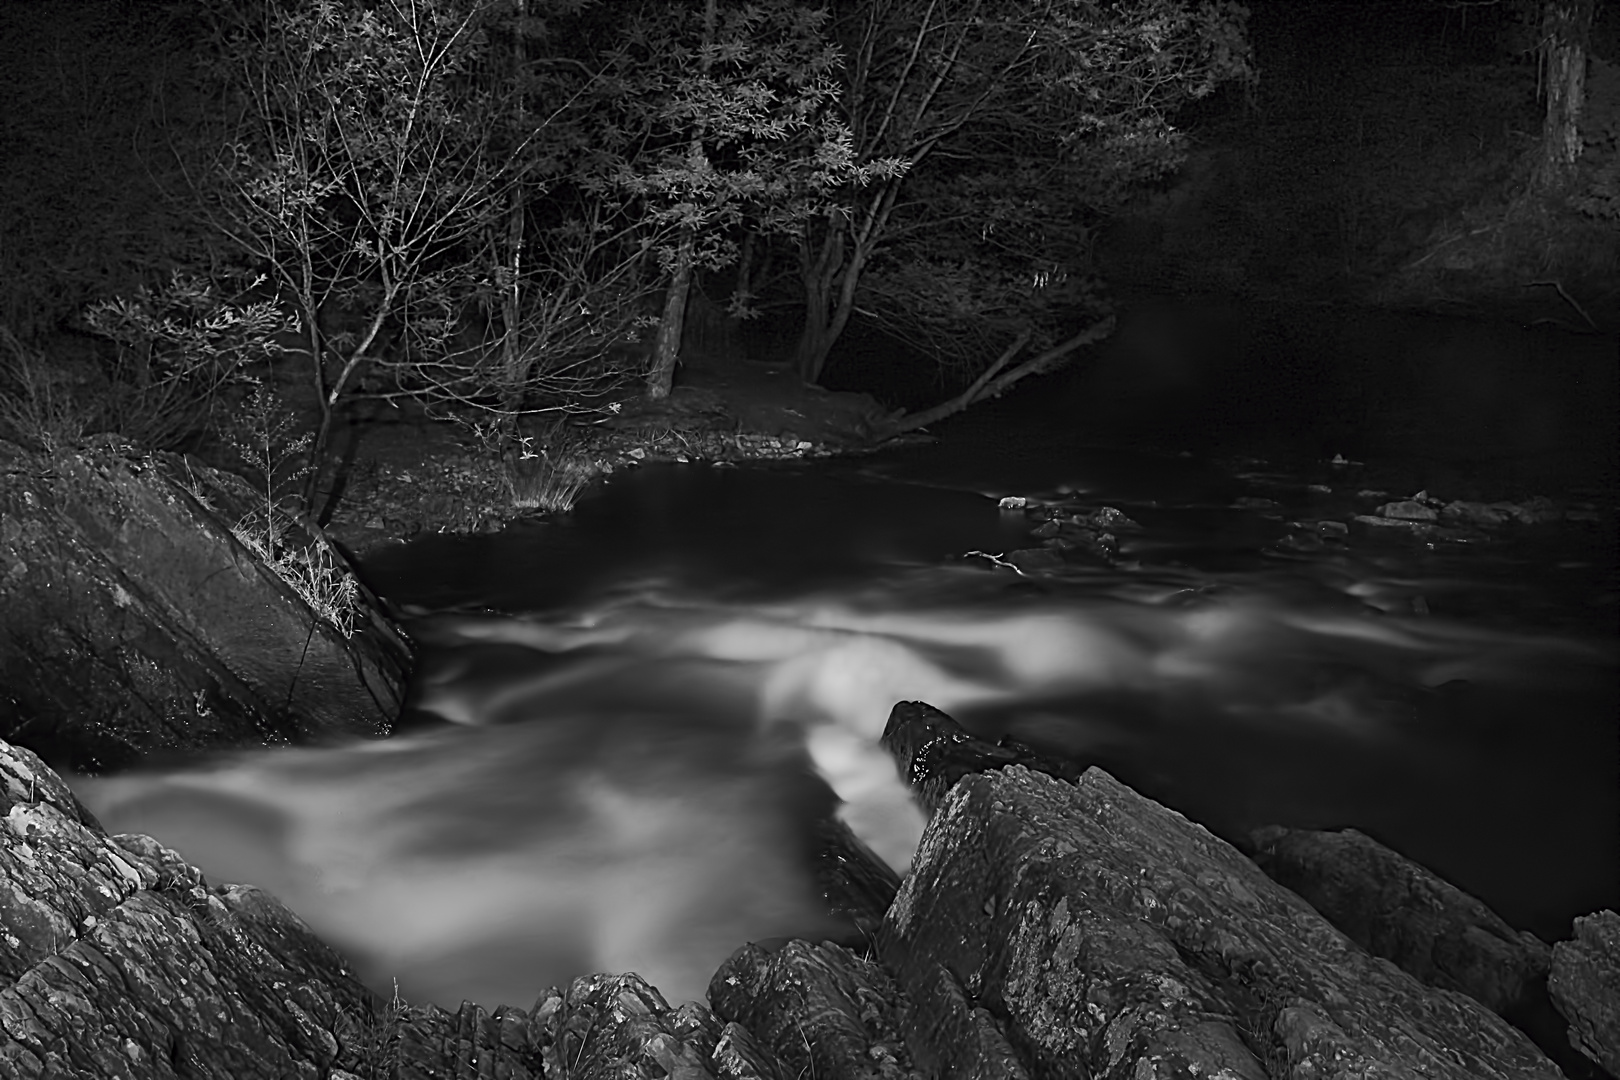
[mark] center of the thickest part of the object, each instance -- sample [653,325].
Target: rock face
[132,620]
[118,961]
[1084,931]
[1585,987]
[1403,912]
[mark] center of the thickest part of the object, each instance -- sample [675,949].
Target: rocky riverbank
[1050,927]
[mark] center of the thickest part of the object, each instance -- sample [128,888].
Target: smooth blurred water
[621,717]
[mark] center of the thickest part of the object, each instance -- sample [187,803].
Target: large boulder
[1090,932]
[133,618]
[1404,912]
[1585,987]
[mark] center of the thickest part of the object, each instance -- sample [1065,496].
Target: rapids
[623,722]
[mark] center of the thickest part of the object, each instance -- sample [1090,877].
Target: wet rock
[934,752]
[133,620]
[1585,987]
[119,960]
[1408,510]
[1403,912]
[818,1010]
[1102,934]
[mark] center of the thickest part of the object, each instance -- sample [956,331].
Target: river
[615,737]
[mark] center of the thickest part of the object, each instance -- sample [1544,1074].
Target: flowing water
[620,718]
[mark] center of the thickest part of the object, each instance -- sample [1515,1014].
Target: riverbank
[400,473]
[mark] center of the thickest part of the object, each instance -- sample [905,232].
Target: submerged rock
[133,617]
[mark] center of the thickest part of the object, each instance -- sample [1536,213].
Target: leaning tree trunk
[1566,28]
[667,345]
[995,381]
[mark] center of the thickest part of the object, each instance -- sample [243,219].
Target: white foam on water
[624,803]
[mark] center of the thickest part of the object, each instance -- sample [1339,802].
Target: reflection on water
[622,779]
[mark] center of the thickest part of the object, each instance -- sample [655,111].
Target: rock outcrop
[1052,928]
[118,960]
[1084,930]
[133,619]
[1403,912]
[1585,987]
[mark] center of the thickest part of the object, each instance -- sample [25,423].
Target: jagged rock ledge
[1050,928]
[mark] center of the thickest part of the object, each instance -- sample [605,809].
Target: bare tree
[383,164]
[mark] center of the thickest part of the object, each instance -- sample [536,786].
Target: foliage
[42,404]
[175,349]
[172,351]
[995,118]
[747,124]
[377,158]
[260,436]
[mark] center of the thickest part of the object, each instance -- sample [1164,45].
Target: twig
[1570,300]
[995,560]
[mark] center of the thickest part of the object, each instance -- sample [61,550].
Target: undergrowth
[260,436]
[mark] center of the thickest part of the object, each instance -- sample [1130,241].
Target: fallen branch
[994,382]
[1570,300]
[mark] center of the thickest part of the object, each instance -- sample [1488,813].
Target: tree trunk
[514,360]
[1566,28]
[667,346]
[994,382]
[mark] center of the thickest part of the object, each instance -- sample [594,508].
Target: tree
[981,97]
[717,113]
[1566,29]
[384,162]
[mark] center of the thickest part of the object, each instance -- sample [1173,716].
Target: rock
[1585,987]
[857,885]
[1101,934]
[132,620]
[935,752]
[1408,510]
[1461,511]
[818,1010]
[119,960]
[1403,912]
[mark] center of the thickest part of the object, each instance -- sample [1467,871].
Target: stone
[133,618]
[1405,913]
[1585,987]
[1103,934]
